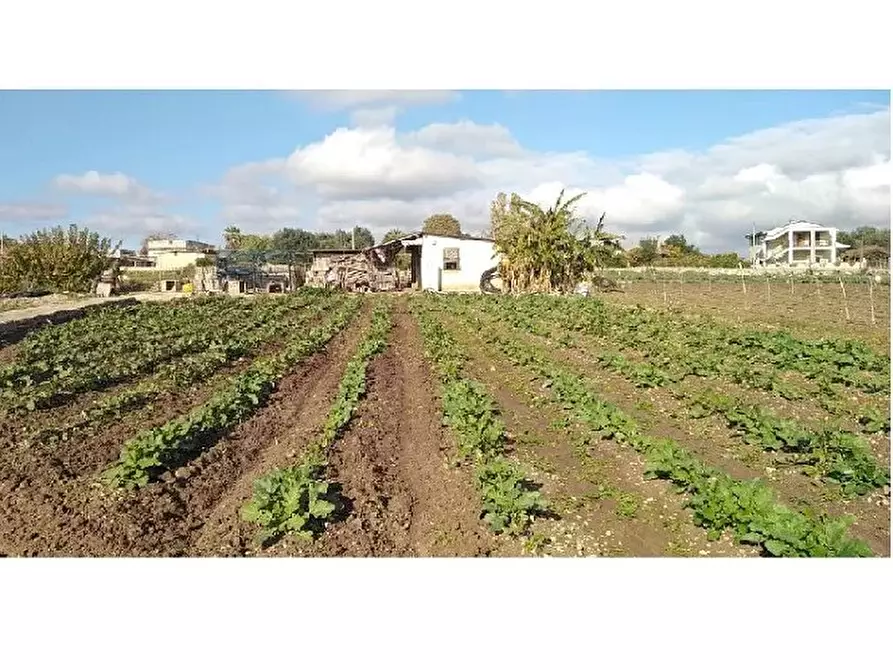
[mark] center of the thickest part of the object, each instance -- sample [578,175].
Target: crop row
[153,451]
[719,502]
[664,366]
[84,370]
[186,371]
[298,500]
[828,453]
[102,332]
[509,501]
[704,347]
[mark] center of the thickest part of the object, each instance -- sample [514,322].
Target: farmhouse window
[451,258]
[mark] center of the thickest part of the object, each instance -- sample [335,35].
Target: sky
[707,164]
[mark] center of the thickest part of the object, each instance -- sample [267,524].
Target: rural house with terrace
[797,243]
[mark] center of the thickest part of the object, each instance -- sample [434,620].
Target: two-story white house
[796,243]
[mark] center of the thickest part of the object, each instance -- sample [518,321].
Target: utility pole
[353,238]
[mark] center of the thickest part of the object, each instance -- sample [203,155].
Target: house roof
[397,241]
[336,251]
[414,236]
[796,226]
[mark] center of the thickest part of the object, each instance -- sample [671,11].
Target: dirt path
[49,308]
[404,500]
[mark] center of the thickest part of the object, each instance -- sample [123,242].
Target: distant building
[171,254]
[796,243]
[447,263]
[128,258]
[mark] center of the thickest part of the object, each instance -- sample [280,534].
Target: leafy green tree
[864,237]
[232,237]
[442,224]
[679,242]
[58,259]
[726,260]
[236,240]
[606,248]
[393,234]
[340,239]
[364,237]
[646,253]
[253,242]
[6,242]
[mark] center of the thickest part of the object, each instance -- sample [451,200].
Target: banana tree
[547,250]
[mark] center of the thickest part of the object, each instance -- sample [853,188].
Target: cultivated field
[808,309]
[327,424]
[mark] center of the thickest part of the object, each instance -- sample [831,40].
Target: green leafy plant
[509,504]
[508,500]
[829,453]
[275,318]
[157,449]
[719,502]
[293,501]
[298,500]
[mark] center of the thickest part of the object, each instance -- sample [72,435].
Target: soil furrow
[75,518]
[596,486]
[392,464]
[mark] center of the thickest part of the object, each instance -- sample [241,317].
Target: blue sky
[191,162]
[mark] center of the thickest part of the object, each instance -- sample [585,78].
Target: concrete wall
[475,256]
[176,260]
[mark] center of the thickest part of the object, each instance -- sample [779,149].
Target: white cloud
[30,212]
[373,162]
[257,196]
[834,170]
[134,222]
[468,139]
[115,185]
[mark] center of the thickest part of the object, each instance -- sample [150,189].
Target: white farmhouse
[176,254]
[448,263]
[797,243]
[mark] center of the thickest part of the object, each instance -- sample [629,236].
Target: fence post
[871,299]
[846,309]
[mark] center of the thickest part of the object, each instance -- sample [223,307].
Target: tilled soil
[712,442]
[392,465]
[43,512]
[585,479]
[778,308]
